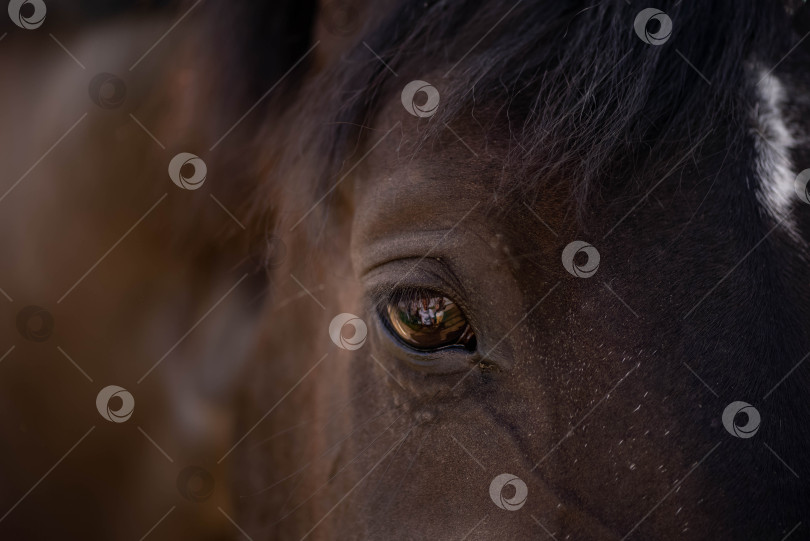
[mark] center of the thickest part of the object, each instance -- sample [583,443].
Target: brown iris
[427,320]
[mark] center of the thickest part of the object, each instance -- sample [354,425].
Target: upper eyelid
[381,296]
[403,247]
[415,293]
[424,273]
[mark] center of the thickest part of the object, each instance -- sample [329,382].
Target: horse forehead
[448,193]
[464,158]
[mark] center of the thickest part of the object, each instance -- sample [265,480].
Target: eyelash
[411,294]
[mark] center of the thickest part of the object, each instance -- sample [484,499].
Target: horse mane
[586,101]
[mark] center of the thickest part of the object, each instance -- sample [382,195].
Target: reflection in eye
[427,320]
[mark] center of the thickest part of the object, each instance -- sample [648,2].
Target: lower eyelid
[440,362]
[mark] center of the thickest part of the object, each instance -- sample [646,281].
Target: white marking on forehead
[773,141]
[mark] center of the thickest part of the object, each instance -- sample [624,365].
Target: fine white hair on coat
[773,141]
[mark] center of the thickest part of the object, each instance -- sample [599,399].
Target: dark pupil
[429,322]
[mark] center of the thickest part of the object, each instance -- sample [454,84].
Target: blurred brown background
[135,273]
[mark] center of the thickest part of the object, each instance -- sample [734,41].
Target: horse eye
[427,320]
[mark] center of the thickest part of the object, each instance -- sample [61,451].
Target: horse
[608,196]
[488,269]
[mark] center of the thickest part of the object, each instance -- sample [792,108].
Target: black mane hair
[587,101]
